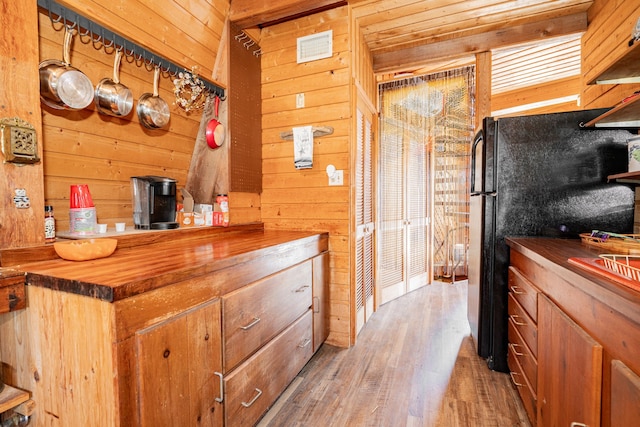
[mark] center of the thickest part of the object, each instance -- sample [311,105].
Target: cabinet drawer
[522,353]
[254,314]
[519,380]
[12,293]
[253,387]
[527,328]
[524,292]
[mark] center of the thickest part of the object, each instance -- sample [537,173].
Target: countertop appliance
[540,175]
[154,202]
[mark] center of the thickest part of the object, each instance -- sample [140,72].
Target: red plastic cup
[80,197]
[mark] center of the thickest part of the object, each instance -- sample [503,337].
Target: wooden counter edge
[626,299]
[16,256]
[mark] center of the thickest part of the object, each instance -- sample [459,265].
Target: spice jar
[49,225]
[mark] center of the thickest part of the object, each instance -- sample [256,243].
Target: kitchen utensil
[215,130]
[63,86]
[153,111]
[112,97]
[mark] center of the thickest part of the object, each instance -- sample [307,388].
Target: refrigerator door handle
[479,138]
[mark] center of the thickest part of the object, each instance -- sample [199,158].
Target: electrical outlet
[337,178]
[300,100]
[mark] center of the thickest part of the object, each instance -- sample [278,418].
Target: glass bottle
[49,225]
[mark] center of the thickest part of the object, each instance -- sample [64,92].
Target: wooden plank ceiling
[412,37]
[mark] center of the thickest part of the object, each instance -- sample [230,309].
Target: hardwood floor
[414,365]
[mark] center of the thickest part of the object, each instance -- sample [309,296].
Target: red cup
[80,197]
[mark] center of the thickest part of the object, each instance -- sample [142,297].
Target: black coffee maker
[154,202]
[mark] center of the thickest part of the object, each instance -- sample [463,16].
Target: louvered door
[404,262]
[364,227]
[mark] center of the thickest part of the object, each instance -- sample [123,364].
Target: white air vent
[315,46]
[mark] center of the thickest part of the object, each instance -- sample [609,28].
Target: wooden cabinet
[256,313]
[570,366]
[253,387]
[523,339]
[275,316]
[588,337]
[166,334]
[625,396]
[12,293]
[179,368]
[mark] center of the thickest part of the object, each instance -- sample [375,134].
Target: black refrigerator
[540,175]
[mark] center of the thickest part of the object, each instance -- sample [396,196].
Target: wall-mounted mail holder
[18,141]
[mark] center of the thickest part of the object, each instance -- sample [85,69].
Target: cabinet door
[177,361]
[569,370]
[625,395]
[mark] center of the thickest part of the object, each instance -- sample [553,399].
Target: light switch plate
[337,178]
[300,100]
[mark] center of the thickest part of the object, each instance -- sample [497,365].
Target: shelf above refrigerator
[624,115]
[625,178]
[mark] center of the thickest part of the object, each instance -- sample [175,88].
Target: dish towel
[303,147]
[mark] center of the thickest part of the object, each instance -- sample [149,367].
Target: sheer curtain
[426,128]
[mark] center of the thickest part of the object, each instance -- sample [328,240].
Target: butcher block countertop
[151,261]
[552,254]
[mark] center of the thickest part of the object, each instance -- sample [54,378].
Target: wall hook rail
[103,38]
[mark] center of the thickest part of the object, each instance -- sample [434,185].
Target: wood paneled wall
[20,98]
[186,33]
[104,152]
[302,199]
[610,27]
[530,95]
[85,147]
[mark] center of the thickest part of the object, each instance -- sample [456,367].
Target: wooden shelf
[625,178]
[624,115]
[625,69]
[11,397]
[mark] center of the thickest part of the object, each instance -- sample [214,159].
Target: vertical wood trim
[483,87]
[21,98]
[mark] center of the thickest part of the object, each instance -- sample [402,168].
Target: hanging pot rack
[107,39]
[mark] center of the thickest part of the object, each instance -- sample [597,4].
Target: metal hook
[257,52]
[249,43]
[148,63]
[241,36]
[53,21]
[112,42]
[124,47]
[85,34]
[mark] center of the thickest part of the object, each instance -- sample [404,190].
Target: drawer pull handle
[514,317]
[516,383]
[302,288]
[513,347]
[251,325]
[252,401]
[305,343]
[516,290]
[221,398]
[577,424]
